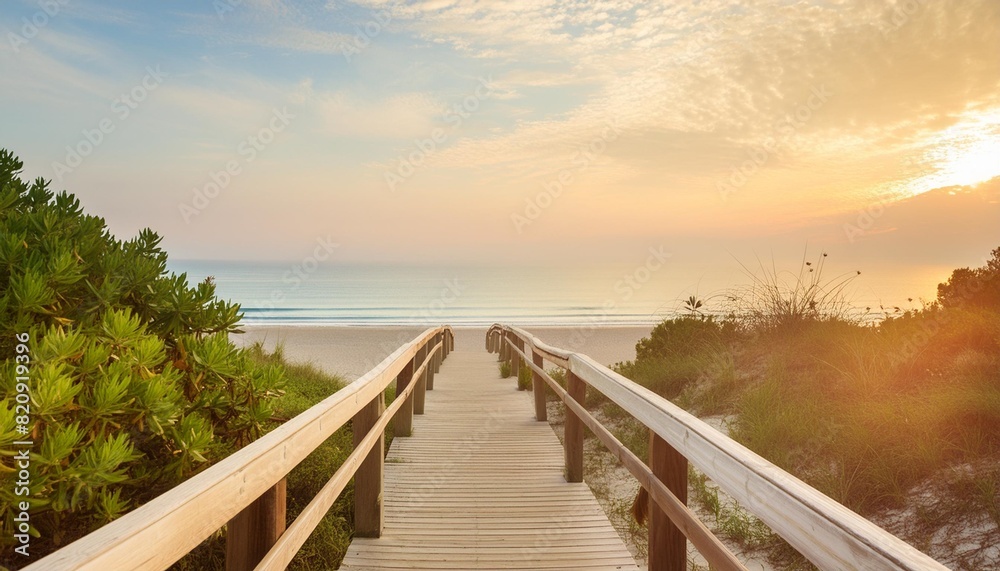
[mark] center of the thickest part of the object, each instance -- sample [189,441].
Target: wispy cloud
[694,87]
[400,116]
[50,67]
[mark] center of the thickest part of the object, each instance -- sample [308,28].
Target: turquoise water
[284,293]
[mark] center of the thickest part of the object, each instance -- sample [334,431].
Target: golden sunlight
[965,154]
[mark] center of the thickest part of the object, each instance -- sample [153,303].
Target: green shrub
[524,378]
[682,336]
[504,369]
[677,353]
[975,288]
[326,546]
[862,411]
[134,382]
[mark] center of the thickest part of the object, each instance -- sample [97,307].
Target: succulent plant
[134,382]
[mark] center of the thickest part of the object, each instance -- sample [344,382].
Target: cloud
[50,67]
[268,24]
[209,104]
[97,12]
[400,116]
[694,87]
[304,40]
[704,83]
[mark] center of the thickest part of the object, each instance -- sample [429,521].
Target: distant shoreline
[476,325]
[462,326]
[352,350]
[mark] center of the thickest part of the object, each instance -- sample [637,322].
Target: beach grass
[864,411]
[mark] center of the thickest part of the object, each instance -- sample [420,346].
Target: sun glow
[965,154]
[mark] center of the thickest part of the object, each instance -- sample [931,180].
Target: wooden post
[254,530]
[369,517]
[429,375]
[418,392]
[515,361]
[439,338]
[573,437]
[667,544]
[402,424]
[503,346]
[538,387]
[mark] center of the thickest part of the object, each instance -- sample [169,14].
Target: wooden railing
[827,533]
[247,491]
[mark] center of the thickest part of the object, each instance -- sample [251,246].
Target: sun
[965,154]
[979,162]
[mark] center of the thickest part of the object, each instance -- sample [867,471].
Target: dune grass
[865,411]
[776,299]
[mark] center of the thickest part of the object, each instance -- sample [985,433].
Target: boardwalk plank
[480,485]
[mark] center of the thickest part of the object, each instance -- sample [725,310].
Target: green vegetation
[730,518]
[524,378]
[504,369]
[326,547]
[135,385]
[863,410]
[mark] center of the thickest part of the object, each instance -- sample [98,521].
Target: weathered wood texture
[480,486]
[667,543]
[403,423]
[255,529]
[419,394]
[538,388]
[368,479]
[573,432]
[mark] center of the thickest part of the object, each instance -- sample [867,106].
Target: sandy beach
[352,351]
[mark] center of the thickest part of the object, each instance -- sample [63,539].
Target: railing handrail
[157,534]
[824,531]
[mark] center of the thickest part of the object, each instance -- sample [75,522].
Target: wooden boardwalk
[480,485]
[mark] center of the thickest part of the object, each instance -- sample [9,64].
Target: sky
[537,131]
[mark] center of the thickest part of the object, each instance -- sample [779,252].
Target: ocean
[285,293]
[279,293]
